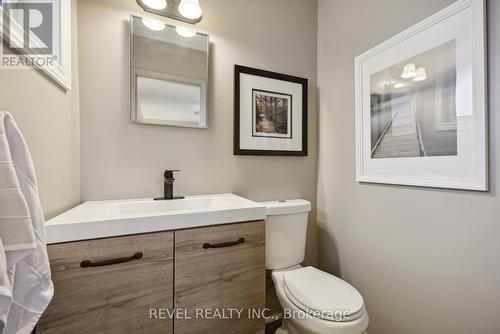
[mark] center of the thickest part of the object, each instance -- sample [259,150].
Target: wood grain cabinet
[110,297]
[112,285]
[220,268]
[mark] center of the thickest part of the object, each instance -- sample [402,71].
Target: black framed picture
[270,113]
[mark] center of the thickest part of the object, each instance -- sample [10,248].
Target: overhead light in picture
[398,85]
[409,71]
[183,10]
[420,75]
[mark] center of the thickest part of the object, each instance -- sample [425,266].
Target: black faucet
[168,186]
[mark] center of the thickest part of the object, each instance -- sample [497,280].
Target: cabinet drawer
[112,298]
[231,276]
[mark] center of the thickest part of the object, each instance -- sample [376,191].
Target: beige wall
[124,160]
[49,120]
[425,260]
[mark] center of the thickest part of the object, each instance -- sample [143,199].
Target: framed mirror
[168,74]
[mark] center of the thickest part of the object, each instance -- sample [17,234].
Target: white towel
[28,290]
[5,289]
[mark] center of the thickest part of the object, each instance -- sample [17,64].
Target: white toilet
[313,302]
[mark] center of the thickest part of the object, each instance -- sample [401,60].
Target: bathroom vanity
[143,266]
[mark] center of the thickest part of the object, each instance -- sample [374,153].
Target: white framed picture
[421,111]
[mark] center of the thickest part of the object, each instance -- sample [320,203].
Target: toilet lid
[323,295]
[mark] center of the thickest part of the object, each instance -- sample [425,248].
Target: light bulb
[398,85]
[155,4]
[153,25]
[185,32]
[421,74]
[408,71]
[190,9]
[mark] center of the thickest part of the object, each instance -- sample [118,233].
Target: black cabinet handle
[88,263]
[207,245]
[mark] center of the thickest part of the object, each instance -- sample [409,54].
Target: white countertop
[99,219]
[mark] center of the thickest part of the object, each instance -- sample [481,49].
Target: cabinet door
[229,276]
[111,297]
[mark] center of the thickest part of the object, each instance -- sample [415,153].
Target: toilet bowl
[313,301]
[326,315]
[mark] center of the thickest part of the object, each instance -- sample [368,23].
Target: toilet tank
[286,232]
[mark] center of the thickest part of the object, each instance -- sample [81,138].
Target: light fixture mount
[170,11]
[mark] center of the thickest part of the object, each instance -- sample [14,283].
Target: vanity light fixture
[153,25]
[155,4]
[185,32]
[409,71]
[421,74]
[188,11]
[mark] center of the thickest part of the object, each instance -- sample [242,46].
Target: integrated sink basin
[99,219]
[158,207]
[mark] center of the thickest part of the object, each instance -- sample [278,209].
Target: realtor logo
[28,33]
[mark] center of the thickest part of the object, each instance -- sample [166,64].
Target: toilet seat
[322,295]
[294,323]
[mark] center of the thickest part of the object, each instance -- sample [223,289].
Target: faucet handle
[169,173]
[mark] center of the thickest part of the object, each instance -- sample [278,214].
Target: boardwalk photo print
[272,114]
[412,106]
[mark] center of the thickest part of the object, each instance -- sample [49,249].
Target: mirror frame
[134,73]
